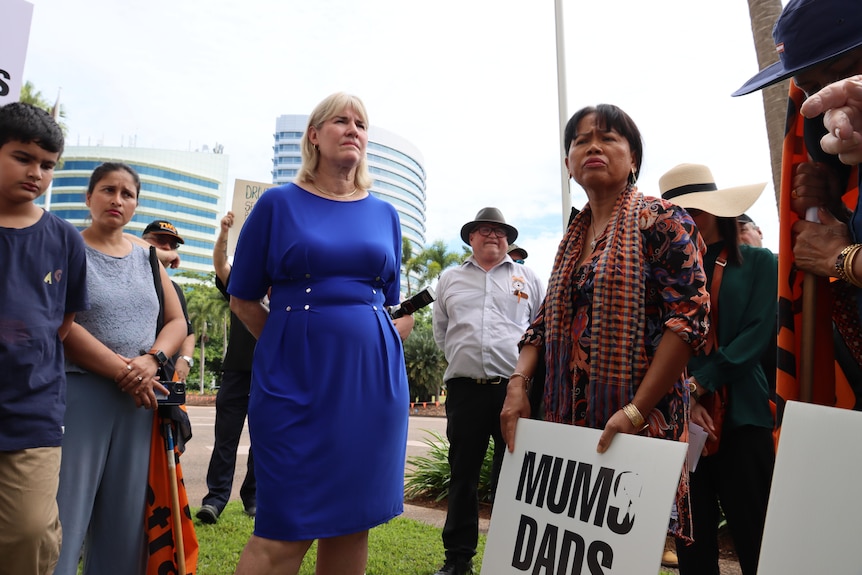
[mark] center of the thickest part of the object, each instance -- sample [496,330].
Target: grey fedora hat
[516,248]
[489,216]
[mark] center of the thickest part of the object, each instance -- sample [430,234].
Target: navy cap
[807,33]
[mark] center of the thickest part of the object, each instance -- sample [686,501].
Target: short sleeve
[76,290]
[250,274]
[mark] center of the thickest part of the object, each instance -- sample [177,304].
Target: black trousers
[738,477]
[231,411]
[473,416]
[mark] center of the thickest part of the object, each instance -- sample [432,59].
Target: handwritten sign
[245,195]
[812,522]
[15,18]
[563,509]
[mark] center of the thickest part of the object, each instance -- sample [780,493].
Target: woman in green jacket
[742,281]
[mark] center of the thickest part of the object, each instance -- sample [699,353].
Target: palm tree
[763,14]
[412,264]
[424,361]
[205,304]
[30,95]
[437,258]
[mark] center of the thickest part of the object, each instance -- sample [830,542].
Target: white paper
[697,437]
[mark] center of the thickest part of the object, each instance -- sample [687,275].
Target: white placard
[815,503]
[563,509]
[15,18]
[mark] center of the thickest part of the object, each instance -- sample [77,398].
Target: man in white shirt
[483,308]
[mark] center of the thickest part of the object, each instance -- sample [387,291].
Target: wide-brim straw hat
[808,33]
[489,216]
[692,186]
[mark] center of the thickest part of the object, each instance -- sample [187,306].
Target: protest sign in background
[245,195]
[15,18]
[563,509]
[815,504]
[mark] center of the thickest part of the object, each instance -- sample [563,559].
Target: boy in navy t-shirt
[42,285]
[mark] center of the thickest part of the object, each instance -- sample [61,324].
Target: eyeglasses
[164,241]
[488,230]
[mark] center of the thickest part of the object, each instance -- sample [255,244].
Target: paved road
[197,456]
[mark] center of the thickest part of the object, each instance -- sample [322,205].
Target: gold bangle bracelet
[527,380]
[849,260]
[841,262]
[635,416]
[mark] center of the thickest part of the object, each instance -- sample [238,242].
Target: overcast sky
[471,83]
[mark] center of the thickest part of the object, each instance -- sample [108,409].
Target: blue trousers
[103,479]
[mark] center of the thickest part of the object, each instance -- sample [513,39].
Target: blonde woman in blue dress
[329,400]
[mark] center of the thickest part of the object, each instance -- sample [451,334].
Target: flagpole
[561,103]
[55,113]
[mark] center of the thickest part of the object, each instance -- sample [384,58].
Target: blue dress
[329,400]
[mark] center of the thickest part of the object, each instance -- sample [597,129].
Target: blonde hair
[330,107]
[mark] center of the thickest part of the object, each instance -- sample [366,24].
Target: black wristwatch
[159,355]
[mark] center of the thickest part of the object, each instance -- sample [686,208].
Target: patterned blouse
[675,289]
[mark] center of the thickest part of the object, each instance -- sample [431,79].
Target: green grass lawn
[400,547]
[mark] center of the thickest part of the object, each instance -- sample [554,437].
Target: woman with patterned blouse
[626,304]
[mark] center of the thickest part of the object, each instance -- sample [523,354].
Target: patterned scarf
[618,309]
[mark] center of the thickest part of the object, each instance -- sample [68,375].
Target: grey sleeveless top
[124,307]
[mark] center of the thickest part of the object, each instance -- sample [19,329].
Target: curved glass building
[185,188]
[394,163]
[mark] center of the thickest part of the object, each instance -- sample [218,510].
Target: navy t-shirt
[44,277]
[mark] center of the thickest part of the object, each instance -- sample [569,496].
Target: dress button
[377,279]
[307,290]
[307,276]
[307,306]
[287,308]
[374,291]
[374,307]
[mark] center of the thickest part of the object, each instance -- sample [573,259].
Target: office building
[185,188]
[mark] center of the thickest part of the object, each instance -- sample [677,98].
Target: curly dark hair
[27,123]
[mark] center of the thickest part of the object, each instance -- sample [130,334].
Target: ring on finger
[128,367]
[140,378]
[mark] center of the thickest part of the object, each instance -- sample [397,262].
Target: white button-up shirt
[479,316]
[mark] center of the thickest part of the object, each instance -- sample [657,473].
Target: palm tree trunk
[763,14]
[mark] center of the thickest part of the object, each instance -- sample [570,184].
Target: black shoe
[207,514]
[250,510]
[453,568]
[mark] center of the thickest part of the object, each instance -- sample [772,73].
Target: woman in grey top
[112,359]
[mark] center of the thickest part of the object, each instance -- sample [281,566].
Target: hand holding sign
[245,195]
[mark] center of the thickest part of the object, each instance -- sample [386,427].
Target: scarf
[618,309]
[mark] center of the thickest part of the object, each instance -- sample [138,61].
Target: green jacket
[747,308]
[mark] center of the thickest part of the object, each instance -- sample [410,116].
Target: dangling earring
[633,179]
